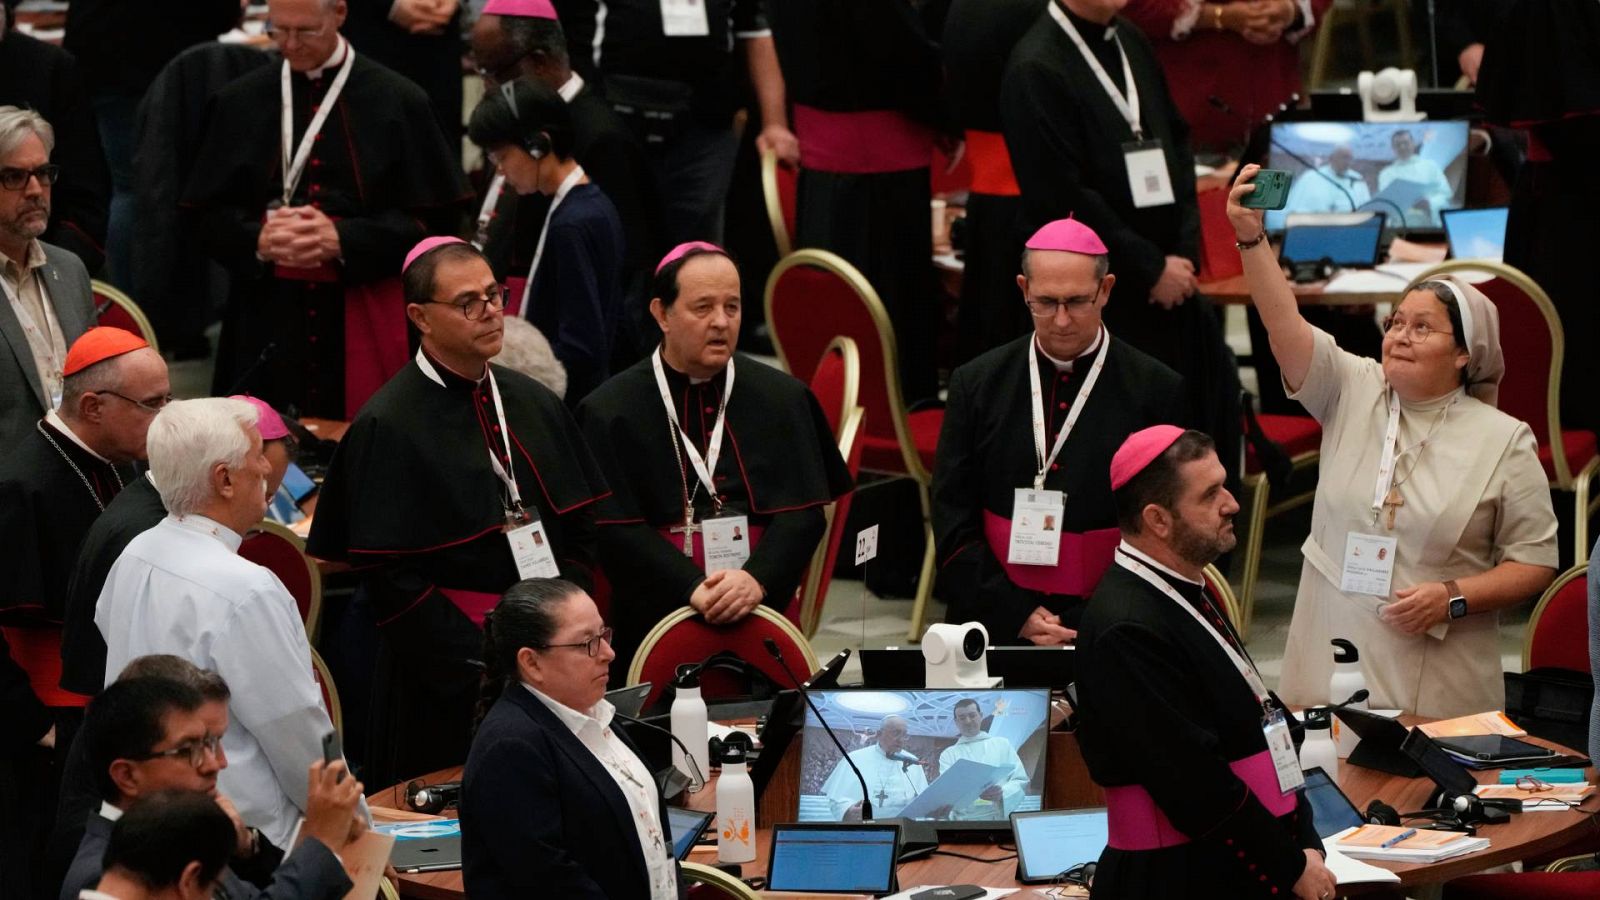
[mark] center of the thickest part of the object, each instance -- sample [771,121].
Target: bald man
[893,775]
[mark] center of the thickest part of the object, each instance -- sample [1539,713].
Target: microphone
[777,654]
[671,781]
[906,759]
[1358,697]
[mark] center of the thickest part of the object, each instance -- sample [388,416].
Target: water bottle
[736,809]
[1347,679]
[1318,750]
[689,727]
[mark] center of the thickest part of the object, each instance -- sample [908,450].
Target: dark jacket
[540,816]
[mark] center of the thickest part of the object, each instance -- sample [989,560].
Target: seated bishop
[455,481]
[1022,505]
[719,465]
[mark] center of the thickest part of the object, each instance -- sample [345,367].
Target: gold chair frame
[1216,582]
[1581,570]
[774,202]
[335,708]
[700,873]
[685,613]
[120,299]
[811,600]
[1260,511]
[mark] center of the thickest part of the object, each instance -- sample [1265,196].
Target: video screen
[1053,842]
[859,859]
[936,755]
[1414,169]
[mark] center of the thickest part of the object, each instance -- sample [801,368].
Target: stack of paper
[1353,871]
[1552,798]
[1477,723]
[1396,843]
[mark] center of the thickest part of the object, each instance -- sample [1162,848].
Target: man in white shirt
[894,777]
[1333,187]
[1408,166]
[181,588]
[997,800]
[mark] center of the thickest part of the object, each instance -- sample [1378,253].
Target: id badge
[1148,178]
[727,542]
[684,18]
[1036,527]
[1284,760]
[1368,564]
[530,548]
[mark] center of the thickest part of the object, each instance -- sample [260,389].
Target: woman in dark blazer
[554,802]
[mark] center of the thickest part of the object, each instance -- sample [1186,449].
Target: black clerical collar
[450,377]
[1091,31]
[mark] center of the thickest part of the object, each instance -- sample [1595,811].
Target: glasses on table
[153,405]
[1417,332]
[1047,307]
[194,751]
[476,306]
[590,645]
[14,179]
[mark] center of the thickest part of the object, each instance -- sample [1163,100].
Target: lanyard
[567,184]
[1246,668]
[1127,105]
[426,365]
[1388,461]
[1037,407]
[491,200]
[294,159]
[703,466]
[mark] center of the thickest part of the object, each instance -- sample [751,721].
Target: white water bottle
[1347,679]
[1318,750]
[736,810]
[689,726]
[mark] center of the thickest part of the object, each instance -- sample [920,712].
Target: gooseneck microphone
[689,781]
[777,654]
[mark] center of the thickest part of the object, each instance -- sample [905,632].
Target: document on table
[1494,722]
[957,785]
[1353,871]
[1553,798]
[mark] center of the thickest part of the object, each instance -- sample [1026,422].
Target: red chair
[330,693]
[684,637]
[280,550]
[1534,345]
[836,380]
[116,309]
[778,188]
[814,590]
[1301,438]
[813,295]
[1558,631]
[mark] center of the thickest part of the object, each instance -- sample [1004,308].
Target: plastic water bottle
[736,810]
[1318,750]
[1347,679]
[689,726]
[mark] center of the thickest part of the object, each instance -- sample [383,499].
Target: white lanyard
[567,184]
[1390,459]
[703,466]
[294,159]
[1037,407]
[1246,668]
[1127,105]
[491,200]
[426,365]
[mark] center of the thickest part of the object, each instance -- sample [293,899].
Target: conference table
[1533,836]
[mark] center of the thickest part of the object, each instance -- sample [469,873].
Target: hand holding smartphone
[1272,190]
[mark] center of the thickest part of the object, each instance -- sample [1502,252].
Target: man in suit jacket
[48,298]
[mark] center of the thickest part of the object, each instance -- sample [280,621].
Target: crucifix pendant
[1392,503]
[687,529]
[883,795]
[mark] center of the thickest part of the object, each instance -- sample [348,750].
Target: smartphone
[1272,190]
[332,749]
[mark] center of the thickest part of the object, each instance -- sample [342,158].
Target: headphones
[432,798]
[538,146]
[737,739]
[1451,818]
[1306,271]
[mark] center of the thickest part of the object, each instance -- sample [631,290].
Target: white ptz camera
[1389,96]
[957,656]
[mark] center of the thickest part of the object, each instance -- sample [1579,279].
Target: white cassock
[1321,193]
[182,588]
[892,783]
[985,748]
[1427,173]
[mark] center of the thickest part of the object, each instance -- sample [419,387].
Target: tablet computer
[833,859]
[1494,748]
[1381,738]
[1057,840]
[1477,233]
[686,826]
[1332,812]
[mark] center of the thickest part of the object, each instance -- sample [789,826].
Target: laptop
[894,668]
[1352,245]
[429,846]
[1477,233]
[686,826]
[834,858]
[1055,841]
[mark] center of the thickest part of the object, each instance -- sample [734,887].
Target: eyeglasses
[13,179]
[282,35]
[477,305]
[153,405]
[590,646]
[194,751]
[1047,307]
[501,73]
[1416,331]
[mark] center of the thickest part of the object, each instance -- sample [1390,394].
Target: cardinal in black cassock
[1171,710]
[777,464]
[413,502]
[1067,138]
[987,450]
[316,329]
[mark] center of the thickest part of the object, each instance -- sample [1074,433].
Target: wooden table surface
[1534,835]
[1235,291]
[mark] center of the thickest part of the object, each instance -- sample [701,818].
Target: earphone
[432,798]
[538,146]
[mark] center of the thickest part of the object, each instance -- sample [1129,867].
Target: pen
[1397,838]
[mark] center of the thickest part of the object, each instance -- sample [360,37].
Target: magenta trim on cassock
[1136,823]
[1080,563]
[861,143]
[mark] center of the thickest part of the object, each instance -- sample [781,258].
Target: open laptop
[1055,841]
[1477,233]
[428,846]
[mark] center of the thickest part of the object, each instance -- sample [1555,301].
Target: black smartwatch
[1458,603]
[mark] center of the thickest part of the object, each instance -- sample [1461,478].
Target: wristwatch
[1458,603]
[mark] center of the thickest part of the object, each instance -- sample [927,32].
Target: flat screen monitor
[1477,233]
[1353,245]
[1418,169]
[960,760]
[834,859]
[1056,841]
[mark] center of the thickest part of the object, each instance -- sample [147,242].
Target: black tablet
[1494,748]
[1057,840]
[686,826]
[833,859]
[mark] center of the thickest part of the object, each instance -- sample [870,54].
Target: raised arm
[1287,330]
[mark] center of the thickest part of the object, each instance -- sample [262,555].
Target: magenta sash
[1137,823]
[1080,562]
[861,143]
[675,538]
[475,605]
[515,285]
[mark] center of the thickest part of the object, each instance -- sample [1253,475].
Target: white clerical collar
[1143,557]
[973,739]
[598,716]
[1065,365]
[108,812]
[87,894]
[202,525]
[334,59]
[571,87]
[54,420]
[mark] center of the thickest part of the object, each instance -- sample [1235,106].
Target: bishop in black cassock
[313,326]
[413,501]
[1171,710]
[987,450]
[778,464]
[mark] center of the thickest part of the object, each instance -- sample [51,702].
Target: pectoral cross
[883,795]
[1392,503]
[688,528]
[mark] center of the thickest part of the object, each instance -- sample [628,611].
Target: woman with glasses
[1432,511]
[556,802]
